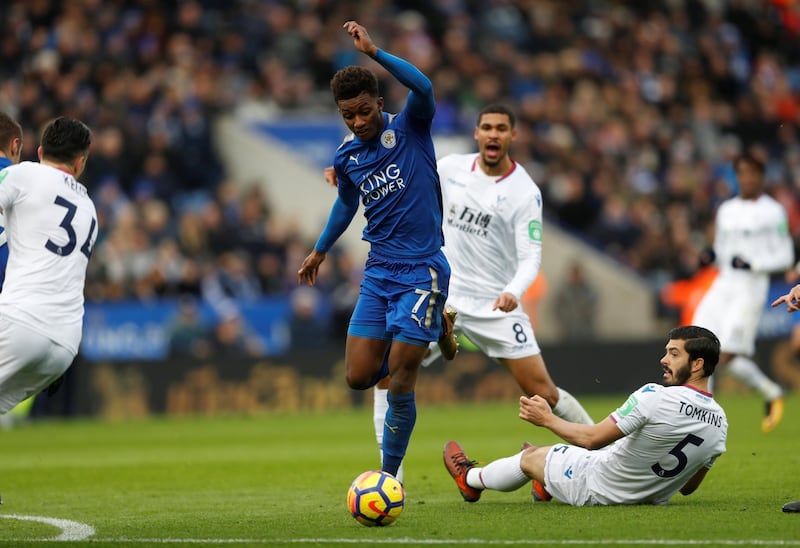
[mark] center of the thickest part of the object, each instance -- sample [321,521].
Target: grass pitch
[280,480]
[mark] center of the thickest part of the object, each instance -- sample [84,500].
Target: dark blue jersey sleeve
[342,212]
[421,102]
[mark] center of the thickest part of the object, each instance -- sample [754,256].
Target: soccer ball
[375,498]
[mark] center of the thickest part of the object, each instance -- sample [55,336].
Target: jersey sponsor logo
[629,405]
[388,139]
[469,220]
[535,230]
[649,388]
[377,185]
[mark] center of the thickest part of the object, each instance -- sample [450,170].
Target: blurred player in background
[10,153]
[669,437]
[493,235]
[751,241]
[52,226]
[388,163]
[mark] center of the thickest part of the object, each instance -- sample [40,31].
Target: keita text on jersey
[75,186]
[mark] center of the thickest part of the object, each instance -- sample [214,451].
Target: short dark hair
[749,158]
[699,343]
[352,81]
[64,139]
[498,109]
[9,130]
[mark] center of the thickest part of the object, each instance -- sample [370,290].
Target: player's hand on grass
[310,267]
[505,302]
[535,410]
[361,39]
[330,176]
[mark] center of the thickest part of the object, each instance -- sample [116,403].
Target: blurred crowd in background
[629,115]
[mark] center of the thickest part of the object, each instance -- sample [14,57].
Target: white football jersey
[758,232]
[51,225]
[670,433]
[492,227]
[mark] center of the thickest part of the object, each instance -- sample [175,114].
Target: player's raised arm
[421,102]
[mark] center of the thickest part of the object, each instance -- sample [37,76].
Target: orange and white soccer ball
[375,498]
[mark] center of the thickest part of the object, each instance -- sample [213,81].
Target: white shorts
[566,473]
[498,334]
[29,362]
[732,315]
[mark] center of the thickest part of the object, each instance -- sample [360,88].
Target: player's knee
[356,382]
[361,378]
[532,462]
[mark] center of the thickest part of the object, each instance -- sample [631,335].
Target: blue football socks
[397,428]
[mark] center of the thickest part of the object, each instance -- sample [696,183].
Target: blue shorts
[401,300]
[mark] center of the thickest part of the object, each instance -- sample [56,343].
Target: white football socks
[434,353]
[380,406]
[569,409]
[747,371]
[499,475]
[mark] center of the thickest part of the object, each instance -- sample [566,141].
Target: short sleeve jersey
[51,224]
[670,433]
[395,177]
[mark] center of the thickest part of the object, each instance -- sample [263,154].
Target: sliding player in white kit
[751,241]
[667,438]
[52,225]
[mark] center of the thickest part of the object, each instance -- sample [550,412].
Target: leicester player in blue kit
[10,153]
[388,164]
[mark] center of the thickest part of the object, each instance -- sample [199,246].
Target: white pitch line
[70,530]
[433,542]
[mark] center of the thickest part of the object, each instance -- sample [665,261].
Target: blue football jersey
[396,179]
[4,163]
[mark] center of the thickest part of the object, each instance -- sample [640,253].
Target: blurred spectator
[629,111]
[307,327]
[575,305]
[231,337]
[189,335]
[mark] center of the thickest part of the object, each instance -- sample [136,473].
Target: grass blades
[281,479]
